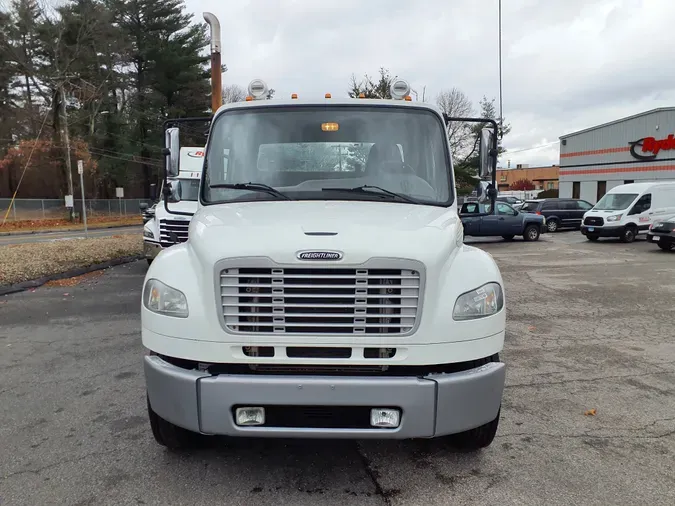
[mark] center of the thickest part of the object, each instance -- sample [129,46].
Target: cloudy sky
[567,65]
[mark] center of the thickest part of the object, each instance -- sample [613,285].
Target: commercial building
[543,178]
[633,149]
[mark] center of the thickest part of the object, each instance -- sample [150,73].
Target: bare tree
[233,93]
[455,103]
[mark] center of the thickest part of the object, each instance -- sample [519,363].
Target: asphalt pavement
[21,238]
[589,327]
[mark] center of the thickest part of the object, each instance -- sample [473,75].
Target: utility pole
[66,140]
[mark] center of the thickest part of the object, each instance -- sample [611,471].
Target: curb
[35,283]
[58,231]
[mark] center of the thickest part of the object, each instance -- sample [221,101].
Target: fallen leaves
[590,412]
[74,280]
[56,224]
[36,260]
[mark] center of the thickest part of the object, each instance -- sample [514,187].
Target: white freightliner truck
[165,229]
[325,289]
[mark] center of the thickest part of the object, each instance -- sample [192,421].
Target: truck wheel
[475,439]
[628,234]
[665,246]
[552,225]
[531,233]
[169,435]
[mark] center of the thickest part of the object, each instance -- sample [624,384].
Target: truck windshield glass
[189,189]
[301,150]
[615,201]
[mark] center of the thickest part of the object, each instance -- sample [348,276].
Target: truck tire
[628,234]
[169,435]
[531,233]
[480,437]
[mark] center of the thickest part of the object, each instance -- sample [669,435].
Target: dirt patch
[23,262]
[64,224]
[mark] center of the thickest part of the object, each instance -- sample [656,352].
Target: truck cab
[163,229]
[325,290]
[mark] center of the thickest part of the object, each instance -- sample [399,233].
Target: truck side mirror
[174,192]
[172,150]
[485,153]
[143,206]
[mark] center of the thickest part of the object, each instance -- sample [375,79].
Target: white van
[629,209]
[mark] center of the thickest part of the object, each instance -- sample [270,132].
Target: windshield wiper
[257,187]
[366,189]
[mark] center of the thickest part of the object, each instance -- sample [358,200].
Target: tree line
[98,77]
[94,80]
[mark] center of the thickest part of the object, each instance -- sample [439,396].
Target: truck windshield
[311,152]
[189,189]
[615,201]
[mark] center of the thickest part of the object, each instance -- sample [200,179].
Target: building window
[549,185]
[576,190]
[602,189]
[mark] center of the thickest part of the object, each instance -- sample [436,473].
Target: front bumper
[603,231]
[431,406]
[665,237]
[151,249]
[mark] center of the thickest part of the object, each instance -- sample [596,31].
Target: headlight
[616,217]
[162,299]
[655,224]
[484,301]
[148,234]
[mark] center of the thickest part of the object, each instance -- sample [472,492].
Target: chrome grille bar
[310,300]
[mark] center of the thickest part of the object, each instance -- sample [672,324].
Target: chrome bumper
[434,405]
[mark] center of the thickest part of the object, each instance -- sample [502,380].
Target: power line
[508,152]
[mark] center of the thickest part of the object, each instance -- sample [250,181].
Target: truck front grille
[594,221]
[173,232]
[307,300]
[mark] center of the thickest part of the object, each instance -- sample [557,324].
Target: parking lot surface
[589,326]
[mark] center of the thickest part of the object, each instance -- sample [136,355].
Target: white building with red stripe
[629,150]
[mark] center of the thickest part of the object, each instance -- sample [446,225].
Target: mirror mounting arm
[493,152]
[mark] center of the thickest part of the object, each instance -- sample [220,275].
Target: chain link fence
[40,209]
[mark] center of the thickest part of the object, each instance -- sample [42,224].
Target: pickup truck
[507,222]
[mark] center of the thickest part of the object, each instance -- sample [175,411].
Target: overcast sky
[567,65]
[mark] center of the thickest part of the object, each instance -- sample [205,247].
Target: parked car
[663,233]
[514,202]
[507,222]
[630,209]
[559,212]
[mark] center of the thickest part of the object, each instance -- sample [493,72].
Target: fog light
[384,417]
[250,416]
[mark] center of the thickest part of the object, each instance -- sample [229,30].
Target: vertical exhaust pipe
[216,73]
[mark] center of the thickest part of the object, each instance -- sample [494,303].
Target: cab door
[642,212]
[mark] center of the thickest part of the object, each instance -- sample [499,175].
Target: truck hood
[360,230]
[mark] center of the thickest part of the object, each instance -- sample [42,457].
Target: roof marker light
[328,95]
[294,96]
[249,98]
[408,98]
[362,95]
[399,89]
[257,89]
